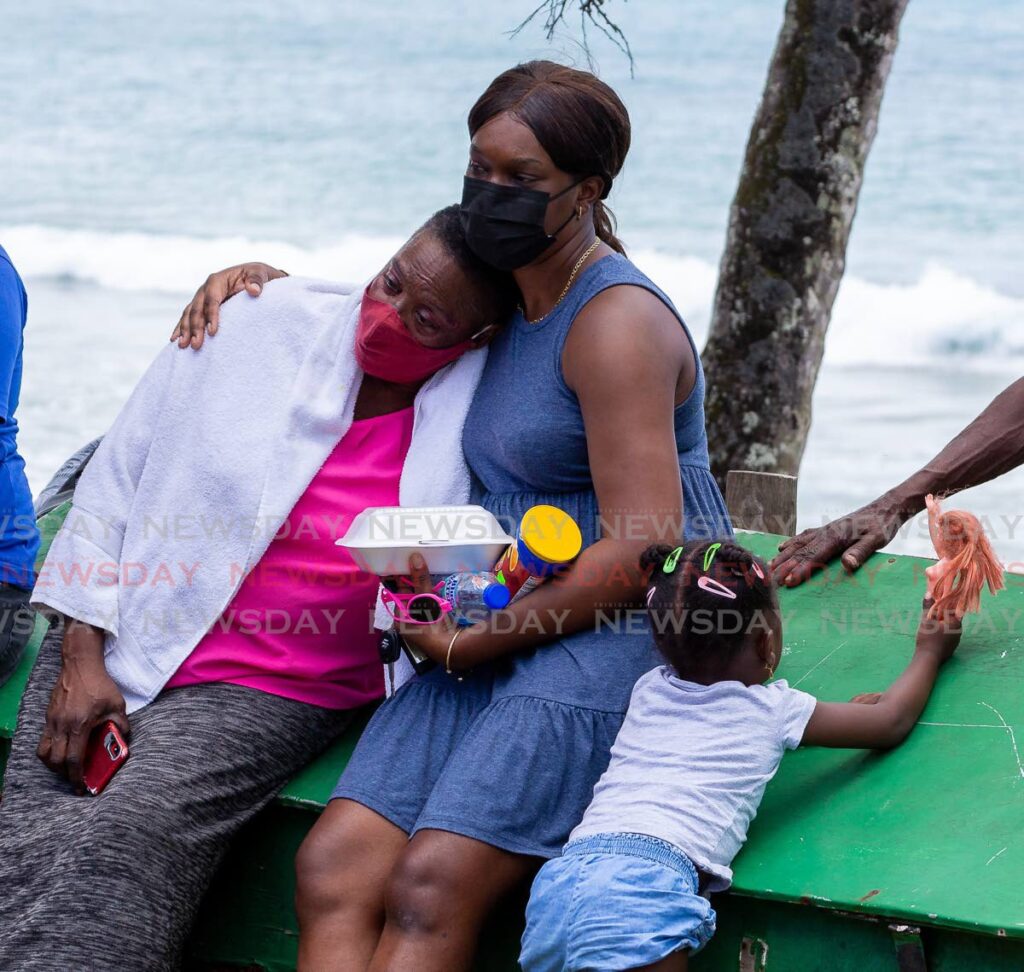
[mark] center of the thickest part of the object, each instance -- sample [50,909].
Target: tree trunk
[788,227]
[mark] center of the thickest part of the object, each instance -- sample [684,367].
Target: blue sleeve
[12,322]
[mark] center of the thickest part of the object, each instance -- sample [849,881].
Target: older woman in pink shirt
[260,673]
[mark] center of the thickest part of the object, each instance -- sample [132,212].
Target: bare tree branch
[592,13]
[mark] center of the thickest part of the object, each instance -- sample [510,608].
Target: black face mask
[504,225]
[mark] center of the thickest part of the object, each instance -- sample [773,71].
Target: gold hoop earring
[771,670]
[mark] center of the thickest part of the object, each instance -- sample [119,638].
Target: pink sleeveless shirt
[301,624]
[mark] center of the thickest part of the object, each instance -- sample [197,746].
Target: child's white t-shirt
[691,762]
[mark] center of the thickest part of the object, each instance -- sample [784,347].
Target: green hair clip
[671,560]
[709,555]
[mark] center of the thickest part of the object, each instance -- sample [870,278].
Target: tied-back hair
[495,290]
[696,627]
[577,118]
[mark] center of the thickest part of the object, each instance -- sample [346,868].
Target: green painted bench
[908,860]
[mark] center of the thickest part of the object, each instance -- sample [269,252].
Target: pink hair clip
[757,570]
[650,595]
[712,586]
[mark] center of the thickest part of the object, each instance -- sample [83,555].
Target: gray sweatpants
[113,881]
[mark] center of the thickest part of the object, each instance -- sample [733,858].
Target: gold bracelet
[451,645]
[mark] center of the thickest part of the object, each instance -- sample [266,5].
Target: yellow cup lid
[550,534]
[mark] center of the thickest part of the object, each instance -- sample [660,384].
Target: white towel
[207,459]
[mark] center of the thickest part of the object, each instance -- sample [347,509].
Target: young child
[702,738]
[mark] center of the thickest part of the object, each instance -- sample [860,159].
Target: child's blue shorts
[614,901]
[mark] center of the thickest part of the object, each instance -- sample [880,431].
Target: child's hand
[882,720]
[939,636]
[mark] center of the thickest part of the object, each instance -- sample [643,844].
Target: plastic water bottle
[473,595]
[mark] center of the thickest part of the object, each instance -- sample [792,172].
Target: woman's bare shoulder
[627,327]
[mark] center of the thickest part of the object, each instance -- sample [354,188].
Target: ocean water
[145,147]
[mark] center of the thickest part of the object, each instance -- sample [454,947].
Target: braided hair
[704,599]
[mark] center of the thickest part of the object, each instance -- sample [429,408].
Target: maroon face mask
[386,349]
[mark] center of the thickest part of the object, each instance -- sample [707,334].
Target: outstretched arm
[990,446]
[887,719]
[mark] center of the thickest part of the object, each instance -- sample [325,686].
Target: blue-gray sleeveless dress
[510,754]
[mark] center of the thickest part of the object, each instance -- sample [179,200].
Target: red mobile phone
[104,756]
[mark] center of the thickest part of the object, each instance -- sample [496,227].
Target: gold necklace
[572,276]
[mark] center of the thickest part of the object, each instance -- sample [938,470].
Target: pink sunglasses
[415,608]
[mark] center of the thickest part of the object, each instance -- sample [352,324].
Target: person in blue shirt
[19,539]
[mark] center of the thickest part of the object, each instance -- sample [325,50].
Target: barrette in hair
[712,586]
[650,595]
[671,560]
[709,555]
[757,570]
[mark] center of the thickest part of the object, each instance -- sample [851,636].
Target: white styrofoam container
[381,539]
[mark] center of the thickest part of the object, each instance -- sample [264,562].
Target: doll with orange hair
[966,562]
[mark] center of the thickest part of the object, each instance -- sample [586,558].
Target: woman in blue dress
[592,401]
